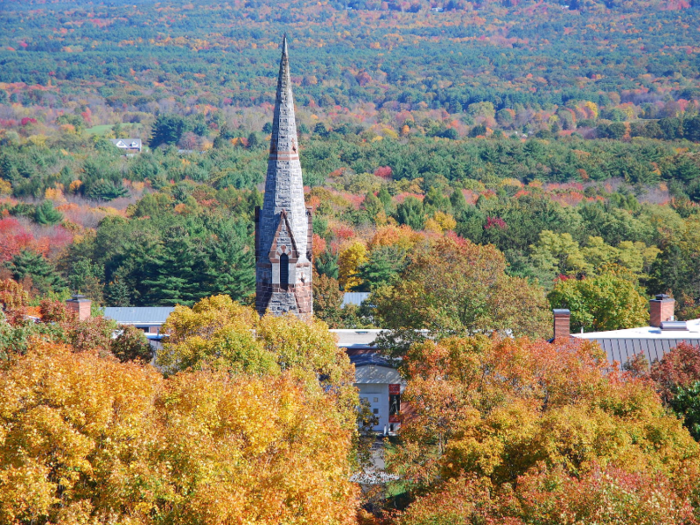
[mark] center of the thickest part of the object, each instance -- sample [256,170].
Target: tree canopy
[531,432]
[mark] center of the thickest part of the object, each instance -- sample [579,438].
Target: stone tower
[283,227]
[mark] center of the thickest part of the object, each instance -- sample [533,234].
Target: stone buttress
[283,229]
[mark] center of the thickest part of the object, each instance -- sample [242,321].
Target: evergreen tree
[175,270]
[46,214]
[117,290]
[31,265]
[320,129]
[458,203]
[230,264]
[107,190]
[383,268]
[410,212]
[372,205]
[167,129]
[385,199]
[436,200]
[327,264]
[253,140]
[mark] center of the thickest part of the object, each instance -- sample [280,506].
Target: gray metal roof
[354,298]
[373,374]
[621,345]
[621,350]
[139,315]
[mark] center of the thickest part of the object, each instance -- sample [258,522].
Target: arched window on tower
[284,272]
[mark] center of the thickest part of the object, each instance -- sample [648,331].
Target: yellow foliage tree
[85,439]
[441,222]
[349,260]
[75,186]
[218,333]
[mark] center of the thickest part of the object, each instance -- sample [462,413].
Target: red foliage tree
[13,238]
[679,367]
[384,172]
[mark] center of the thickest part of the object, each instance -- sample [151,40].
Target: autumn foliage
[678,368]
[555,498]
[456,286]
[87,439]
[517,431]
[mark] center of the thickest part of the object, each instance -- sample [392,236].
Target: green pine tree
[383,268]
[34,266]
[46,214]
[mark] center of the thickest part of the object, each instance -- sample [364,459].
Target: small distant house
[128,146]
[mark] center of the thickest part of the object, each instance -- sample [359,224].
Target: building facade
[283,227]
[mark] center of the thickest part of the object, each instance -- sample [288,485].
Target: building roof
[127,143]
[373,374]
[356,338]
[139,315]
[370,359]
[621,345]
[354,298]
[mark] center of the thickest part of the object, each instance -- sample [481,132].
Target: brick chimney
[661,310]
[80,306]
[562,324]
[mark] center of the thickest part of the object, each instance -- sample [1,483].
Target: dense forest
[471,165]
[565,135]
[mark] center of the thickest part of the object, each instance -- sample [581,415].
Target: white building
[378,382]
[128,146]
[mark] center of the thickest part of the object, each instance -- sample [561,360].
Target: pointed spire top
[284,131]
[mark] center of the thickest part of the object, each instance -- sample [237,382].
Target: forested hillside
[472,165]
[566,135]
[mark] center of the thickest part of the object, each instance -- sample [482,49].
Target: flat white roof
[356,338]
[647,332]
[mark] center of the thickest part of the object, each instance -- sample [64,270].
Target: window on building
[284,272]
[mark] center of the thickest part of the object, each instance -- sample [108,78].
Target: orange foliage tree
[532,432]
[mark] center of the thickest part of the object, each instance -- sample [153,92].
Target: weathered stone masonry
[283,228]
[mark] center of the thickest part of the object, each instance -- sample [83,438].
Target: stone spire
[283,226]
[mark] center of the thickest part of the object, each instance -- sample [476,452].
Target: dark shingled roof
[369,359]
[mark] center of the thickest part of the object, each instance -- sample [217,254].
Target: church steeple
[284,127]
[283,227]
